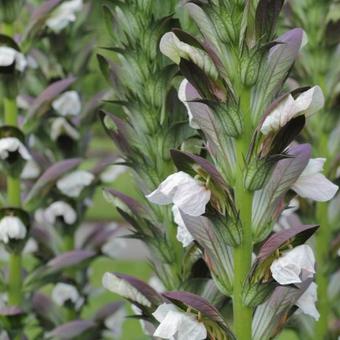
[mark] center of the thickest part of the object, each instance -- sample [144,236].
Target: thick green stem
[243,253]
[323,240]
[15,280]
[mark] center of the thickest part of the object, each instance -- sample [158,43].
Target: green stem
[323,240]
[15,280]
[10,108]
[243,253]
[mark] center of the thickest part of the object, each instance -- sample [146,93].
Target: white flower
[60,209]
[121,287]
[183,234]
[185,192]
[9,55]
[112,172]
[313,184]
[31,170]
[31,246]
[307,301]
[114,247]
[307,103]
[177,325]
[61,126]
[11,227]
[183,97]
[73,184]
[175,49]
[294,266]
[64,292]
[115,322]
[64,14]
[67,104]
[13,144]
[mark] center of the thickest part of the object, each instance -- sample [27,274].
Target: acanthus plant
[44,139]
[227,193]
[318,63]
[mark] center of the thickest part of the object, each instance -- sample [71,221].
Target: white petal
[168,46]
[61,126]
[294,265]
[182,96]
[313,184]
[63,292]
[31,170]
[114,247]
[307,301]
[63,15]
[310,101]
[60,209]
[124,289]
[156,284]
[31,246]
[73,184]
[11,227]
[115,322]
[162,310]
[9,55]
[112,172]
[183,234]
[13,144]
[67,104]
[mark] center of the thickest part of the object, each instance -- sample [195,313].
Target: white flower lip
[307,301]
[67,104]
[184,191]
[313,184]
[64,14]
[63,292]
[183,234]
[13,144]
[60,209]
[121,287]
[294,266]
[61,126]
[31,170]
[73,183]
[9,56]
[175,323]
[12,228]
[307,103]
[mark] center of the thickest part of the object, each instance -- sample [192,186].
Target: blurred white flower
[183,234]
[73,183]
[31,246]
[121,287]
[294,266]
[9,55]
[183,191]
[177,325]
[114,247]
[115,322]
[307,103]
[67,104]
[182,96]
[31,170]
[60,209]
[61,126]
[11,227]
[307,302]
[63,15]
[112,172]
[64,292]
[313,184]
[13,144]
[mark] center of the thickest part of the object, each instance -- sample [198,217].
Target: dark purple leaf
[69,259]
[72,329]
[300,234]
[201,305]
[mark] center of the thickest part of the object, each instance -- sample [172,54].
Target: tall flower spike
[313,184]
[185,192]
